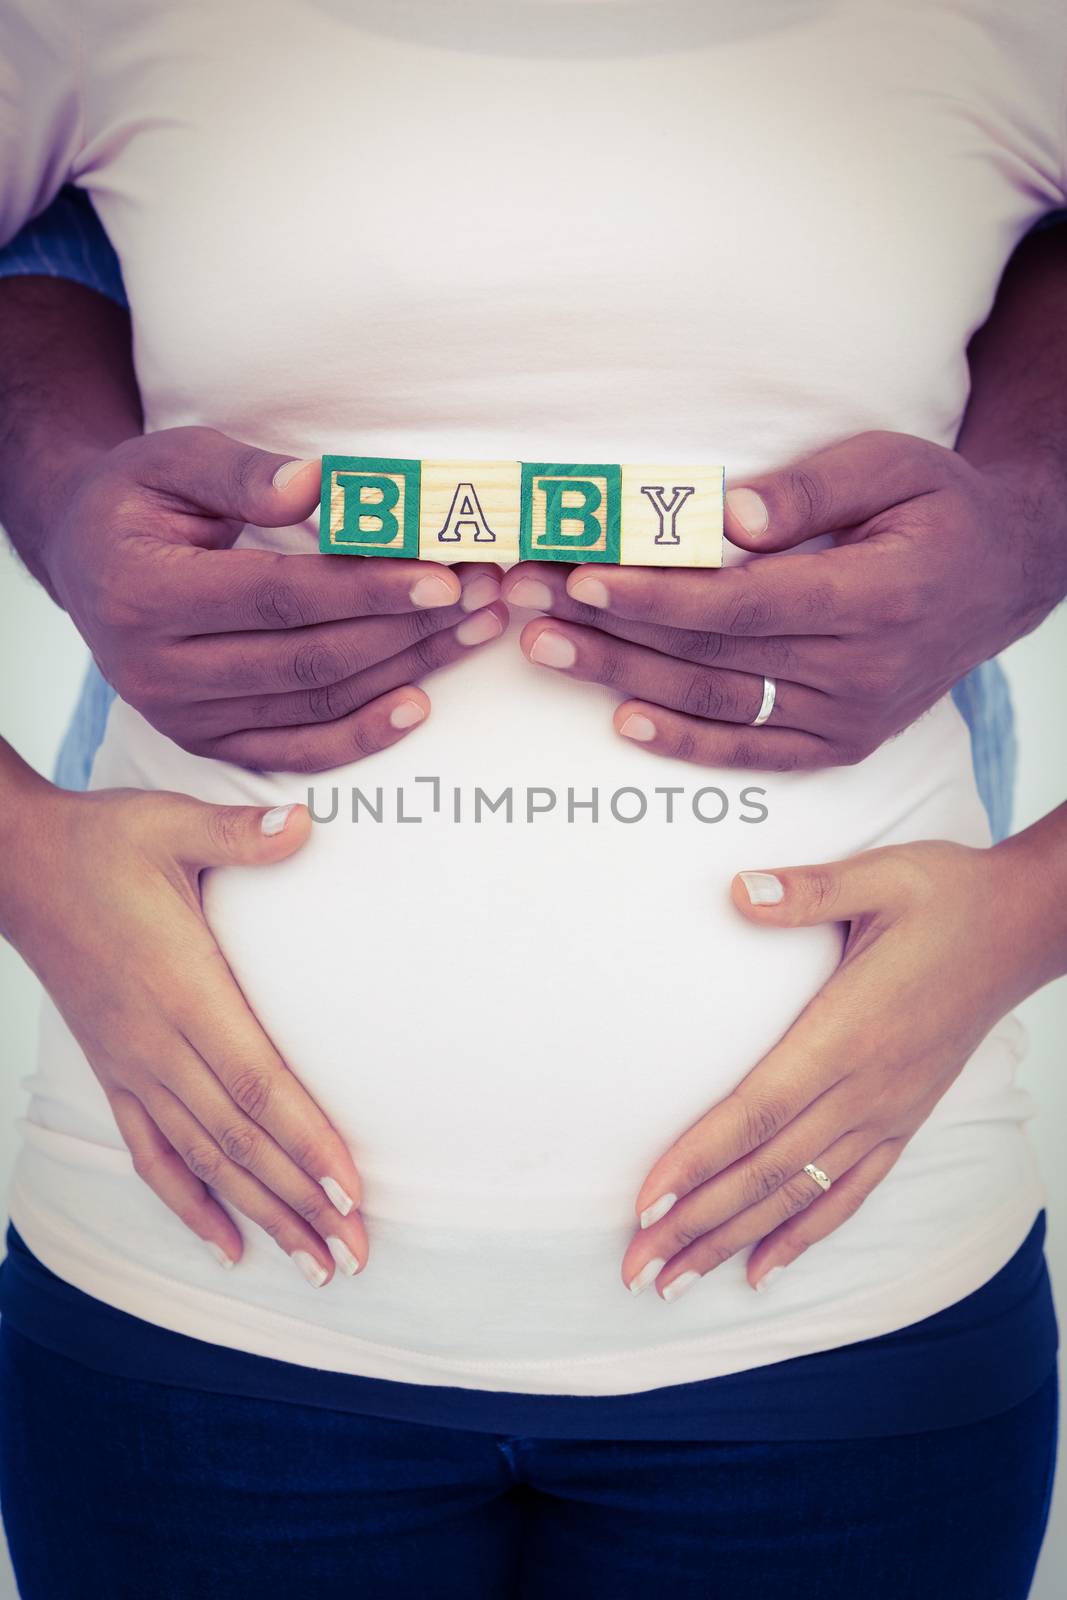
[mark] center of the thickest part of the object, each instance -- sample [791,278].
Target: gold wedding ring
[818,1176]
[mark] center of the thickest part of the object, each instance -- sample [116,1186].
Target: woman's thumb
[227,836]
[798,897]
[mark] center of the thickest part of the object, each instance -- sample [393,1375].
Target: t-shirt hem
[220,1320]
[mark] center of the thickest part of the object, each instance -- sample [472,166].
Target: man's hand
[934,566]
[288,663]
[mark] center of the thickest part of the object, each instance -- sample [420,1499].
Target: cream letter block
[470,511]
[672,516]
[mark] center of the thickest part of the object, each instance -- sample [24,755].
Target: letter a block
[649,516]
[470,511]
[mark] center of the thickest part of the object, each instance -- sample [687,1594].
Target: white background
[41,662]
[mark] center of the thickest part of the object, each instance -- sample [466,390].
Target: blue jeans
[115,1489]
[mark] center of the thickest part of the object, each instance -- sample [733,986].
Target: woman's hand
[935,566]
[942,942]
[100,894]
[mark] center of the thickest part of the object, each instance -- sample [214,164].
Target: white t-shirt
[677,231]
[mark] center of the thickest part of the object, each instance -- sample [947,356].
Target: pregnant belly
[510,1016]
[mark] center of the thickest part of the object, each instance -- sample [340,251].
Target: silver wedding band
[818,1176]
[770,689]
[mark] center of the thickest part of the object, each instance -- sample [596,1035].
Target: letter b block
[570,512]
[370,506]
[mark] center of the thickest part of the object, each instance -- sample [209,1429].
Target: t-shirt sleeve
[40,115]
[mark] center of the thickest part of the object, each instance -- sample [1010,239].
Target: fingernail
[589,592]
[274,821]
[406,714]
[482,592]
[648,1274]
[315,1274]
[764,889]
[432,591]
[219,1253]
[288,471]
[347,1262]
[749,509]
[337,1196]
[531,595]
[675,1290]
[477,629]
[638,727]
[657,1209]
[553,650]
[768,1278]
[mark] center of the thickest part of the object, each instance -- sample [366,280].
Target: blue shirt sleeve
[66,241]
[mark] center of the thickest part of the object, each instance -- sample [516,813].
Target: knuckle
[809,496]
[747,612]
[204,1162]
[703,696]
[797,1194]
[762,1178]
[429,653]
[223,825]
[714,1252]
[365,736]
[761,1117]
[276,1226]
[684,745]
[683,1233]
[822,889]
[326,703]
[276,604]
[317,664]
[240,1144]
[304,1150]
[250,1091]
[311,1207]
[608,666]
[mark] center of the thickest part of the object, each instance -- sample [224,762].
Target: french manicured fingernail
[553,650]
[432,591]
[648,1274]
[530,595]
[482,592]
[749,509]
[315,1274]
[590,592]
[406,714]
[347,1262]
[763,888]
[675,1290]
[657,1209]
[478,629]
[337,1196]
[638,727]
[220,1255]
[768,1278]
[274,821]
[289,470]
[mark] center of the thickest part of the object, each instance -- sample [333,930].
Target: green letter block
[569,512]
[370,506]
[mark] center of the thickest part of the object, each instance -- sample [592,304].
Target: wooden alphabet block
[570,512]
[470,511]
[653,516]
[370,506]
[672,516]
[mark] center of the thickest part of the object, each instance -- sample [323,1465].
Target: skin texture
[938,560]
[285,663]
[207,1107]
[941,942]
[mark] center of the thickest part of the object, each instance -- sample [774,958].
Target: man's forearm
[67,391]
[1016,419]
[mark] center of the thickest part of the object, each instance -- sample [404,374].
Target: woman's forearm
[1032,900]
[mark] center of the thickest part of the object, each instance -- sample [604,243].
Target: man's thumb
[213,473]
[227,836]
